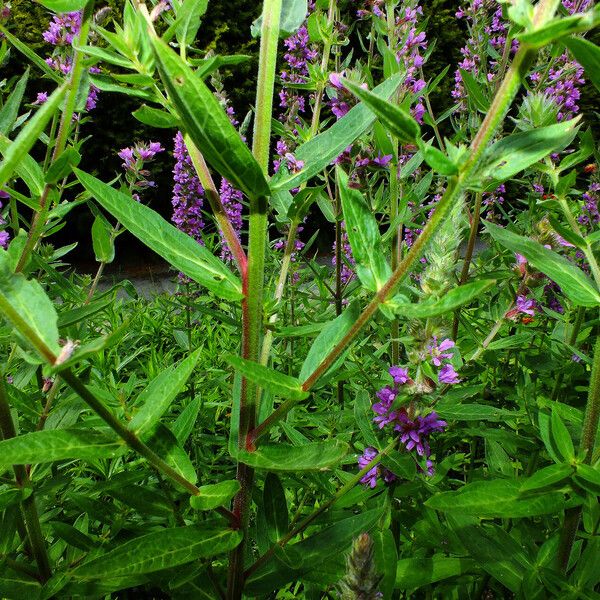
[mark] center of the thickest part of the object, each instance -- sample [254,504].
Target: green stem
[464,275]
[29,510]
[39,219]
[586,447]
[252,305]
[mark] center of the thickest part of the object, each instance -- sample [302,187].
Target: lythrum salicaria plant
[414,416]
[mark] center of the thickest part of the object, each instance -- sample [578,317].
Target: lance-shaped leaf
[160,550]
[268,379]
[587,55]
[188,20]
[155,117]
[496,499]
[102,240]
[412,573]
[27,169]
[316,456]
[63,6]
[518,151]
[547,477]
[275,508]
[216,494]
[161,391]
[177,248]
[25,305]
[446,304]
[372,267]
[208,125]
[29,134]
[573,282]
[332,334]
[318,152]
[558,28]
[59,444]
[395,119]
[293,14]
[10,110]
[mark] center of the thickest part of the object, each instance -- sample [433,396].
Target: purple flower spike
[447,374]
[370,478]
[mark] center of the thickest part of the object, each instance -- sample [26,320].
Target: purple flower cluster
[590,216]
[188,193]
[370,477]
[438,353]
[348,261]
[565,78]
[4,235]
[371,8]
[63,29]
[61,32]
[134,159]
[231,199]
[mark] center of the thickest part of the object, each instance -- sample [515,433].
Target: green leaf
[301,202]
[106,56]
[64,6]
[587,55]
[496,499]
[588,478]
[547,477]
[59,444]
[494,550]
[102,241]
[437,160]
[28,136]
[293,14]
[184,424]
[318,152]
[75,315]
[330,336]
[27,169]
[164,443]
[386,559]
[18,585]
[363,416]
[372,267]
[10,110]
[63,165]
[217,494]
[161,391]
[448,303]
[316,456]
[275,508]
[10,496]
[400,464]
[413,573]
[558,28]
[160,550]
[474,412]
[27,307]
[155,117]
[396,120]
[474,92]
[177,248]
[269,379]
[518,151]
[188,20]
[574,284]
[561,438]
[206,122]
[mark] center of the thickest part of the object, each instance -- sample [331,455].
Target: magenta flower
[525,305]
[399,375]
[447,374]
[438,351]
[370,478]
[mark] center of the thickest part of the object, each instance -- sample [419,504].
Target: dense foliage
[414,414]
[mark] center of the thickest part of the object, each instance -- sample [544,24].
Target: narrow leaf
[318,152]
[269,379]
[363,234]
[547,477]
[275,507]
[587,55]
[574,284]
[155,117]
[160,550]
[60,444]
[396,120]
[217,494]
[177,248]
[316,456]
[161,391]
[448,303]
[184,424]
[102,242]
[10,110]
[413,573]
[28,136]
[208,125]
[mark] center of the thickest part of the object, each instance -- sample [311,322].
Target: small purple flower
[4,239]
[399,375]
[525,305]
[370,478]
[41,98]
[438,351]
[447,374]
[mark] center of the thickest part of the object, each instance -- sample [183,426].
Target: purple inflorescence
[4,235]
[370,477]
[346,272]
[134,159]
[188,193]
[590,216]
[63,29]
[565,78]
[231,199]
